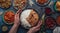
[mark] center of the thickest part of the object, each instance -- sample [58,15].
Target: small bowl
[48,1]
[4,28]
[6,21]
[48,11]
[55,7]
[48,31]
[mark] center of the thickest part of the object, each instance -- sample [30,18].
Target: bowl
[42,3]
[48,11]
[50,22]
[5,4]
[56,6]
[9,18]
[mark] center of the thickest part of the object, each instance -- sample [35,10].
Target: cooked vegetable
[9,16]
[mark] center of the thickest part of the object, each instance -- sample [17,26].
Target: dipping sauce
[50,23]
[9,16]
[48,10]
[58,20]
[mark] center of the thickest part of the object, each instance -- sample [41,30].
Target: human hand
[36,28]
[17,19]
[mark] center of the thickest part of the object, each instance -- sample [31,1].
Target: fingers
[37,29]
[19,11]
[39,24]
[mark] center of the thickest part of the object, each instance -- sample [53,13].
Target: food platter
[44,11]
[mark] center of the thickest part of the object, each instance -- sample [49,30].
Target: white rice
[23,17]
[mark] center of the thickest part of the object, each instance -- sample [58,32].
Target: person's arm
[36,28]
[16,22]
[14,29]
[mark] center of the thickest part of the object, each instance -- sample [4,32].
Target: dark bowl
[50,25]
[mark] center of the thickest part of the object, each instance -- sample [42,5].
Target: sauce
[48,10]
[50,22]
